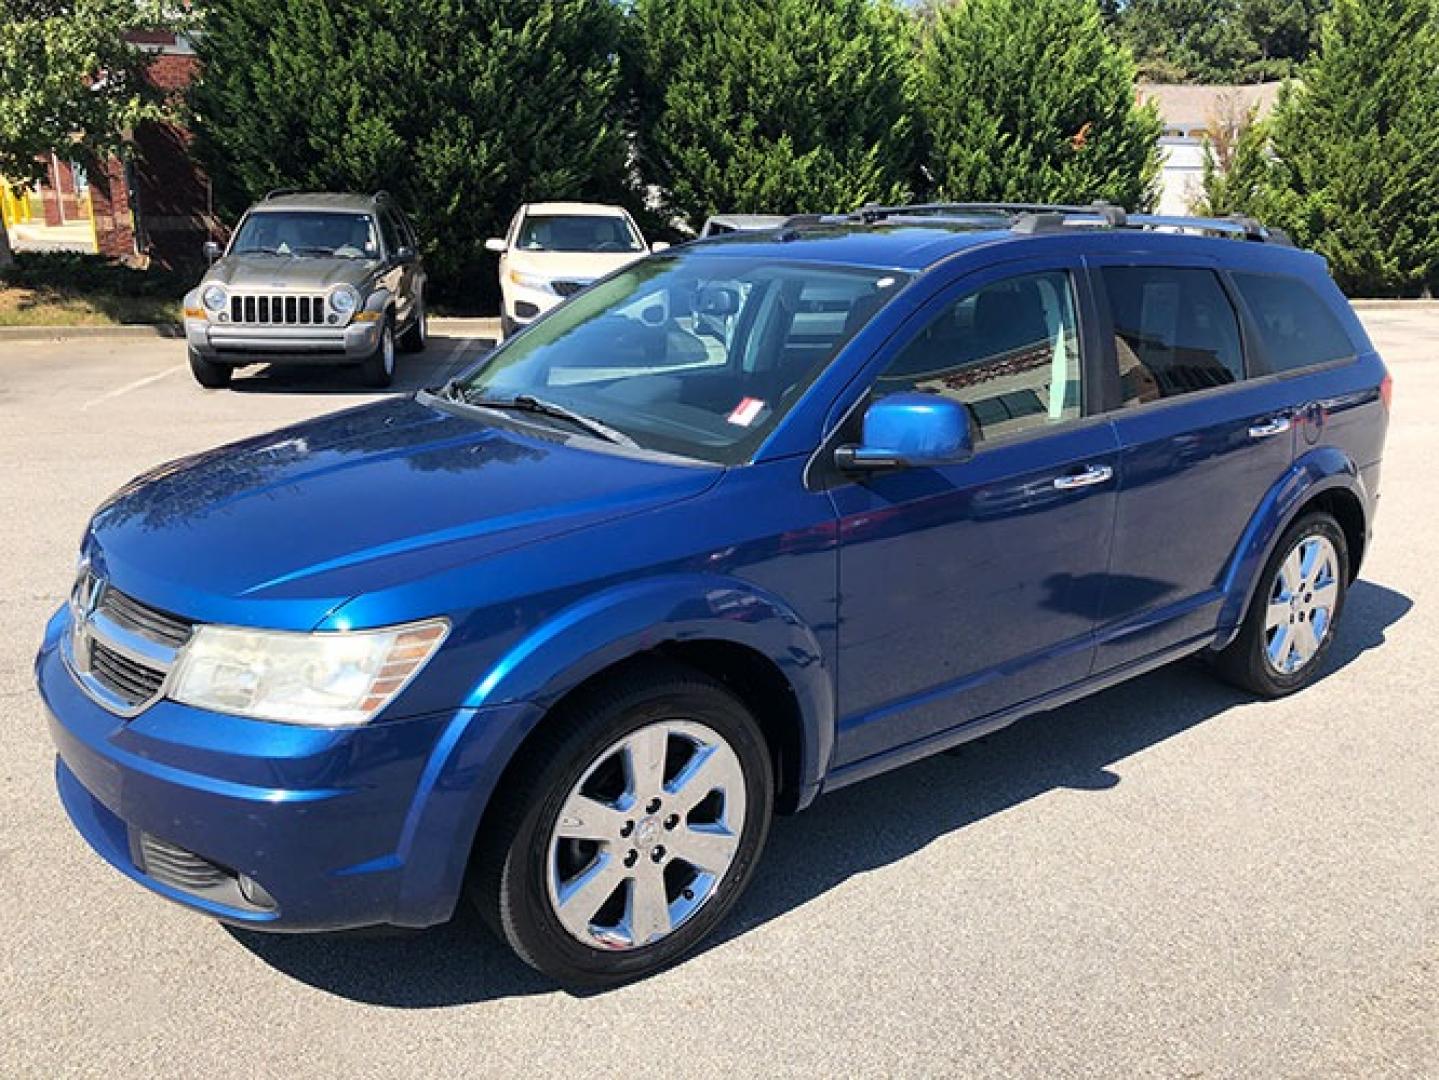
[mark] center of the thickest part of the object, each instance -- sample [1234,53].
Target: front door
[969,588]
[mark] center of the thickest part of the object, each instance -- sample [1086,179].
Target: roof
[319,200]
[597,209]
[913,246]
[1193,108]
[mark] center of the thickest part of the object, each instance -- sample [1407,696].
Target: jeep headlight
[214,298]
[344,300]
[321,679]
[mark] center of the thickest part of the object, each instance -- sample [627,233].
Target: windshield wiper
[531,404]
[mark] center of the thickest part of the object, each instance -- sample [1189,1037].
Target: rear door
[1200,445]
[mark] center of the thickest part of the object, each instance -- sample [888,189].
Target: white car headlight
[214,298]
[344,300]
[323,679]
[531,281]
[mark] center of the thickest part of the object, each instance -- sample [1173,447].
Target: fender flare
[636,617]
[1316,472]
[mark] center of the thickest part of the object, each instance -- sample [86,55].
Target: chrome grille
[152,622]
[279,309]
[129,680]
[568,288]
[120,649]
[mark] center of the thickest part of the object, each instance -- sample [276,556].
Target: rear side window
[1296,327]
[1175,331]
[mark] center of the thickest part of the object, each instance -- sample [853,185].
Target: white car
[720,224]
[553,250]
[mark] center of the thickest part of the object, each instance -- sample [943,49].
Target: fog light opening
[255,893]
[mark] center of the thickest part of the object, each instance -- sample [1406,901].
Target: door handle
[1088,477]
[1277,426]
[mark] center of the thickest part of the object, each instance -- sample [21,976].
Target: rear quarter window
[1296,327]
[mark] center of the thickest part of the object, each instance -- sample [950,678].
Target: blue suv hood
[278,530]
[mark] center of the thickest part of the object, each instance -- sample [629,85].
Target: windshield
[698,356]
[577,232]
[303,234]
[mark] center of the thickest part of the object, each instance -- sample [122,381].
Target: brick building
[154,206]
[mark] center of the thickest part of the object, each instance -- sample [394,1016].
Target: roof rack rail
[275,193]
[872,212]
[1235,226]
[382,196]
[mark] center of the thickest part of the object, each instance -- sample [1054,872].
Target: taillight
[1386,390]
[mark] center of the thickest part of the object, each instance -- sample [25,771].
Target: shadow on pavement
[413,371]
[852,831]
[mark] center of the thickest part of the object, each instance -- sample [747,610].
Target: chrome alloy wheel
[1301,604]
[645,837]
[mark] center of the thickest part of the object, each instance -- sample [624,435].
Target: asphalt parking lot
[1166,879]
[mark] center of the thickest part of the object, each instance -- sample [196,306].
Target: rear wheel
[629,830]
[210,375]
[379,369]
[417,335]
[1290,625]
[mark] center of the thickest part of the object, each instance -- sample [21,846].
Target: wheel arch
[1324,479]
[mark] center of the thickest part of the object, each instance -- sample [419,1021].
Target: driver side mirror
[497,245]
[211,250]
[910,430]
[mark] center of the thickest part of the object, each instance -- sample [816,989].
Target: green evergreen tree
[1218,41]
[1353,154]
[1030,101]
[1235,170]
[462,109]
[772,106]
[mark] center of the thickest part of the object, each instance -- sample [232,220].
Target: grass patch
[64,289]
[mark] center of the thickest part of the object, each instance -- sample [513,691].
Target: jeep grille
[279,310]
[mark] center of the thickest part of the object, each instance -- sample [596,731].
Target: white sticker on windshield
[884,283]
[745,412]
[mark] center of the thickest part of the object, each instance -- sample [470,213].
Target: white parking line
[146,381]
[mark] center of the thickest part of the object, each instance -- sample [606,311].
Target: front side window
[1008,352]
[577,232]
[1175,331]
[690,355]
[1296,327]
[304,234]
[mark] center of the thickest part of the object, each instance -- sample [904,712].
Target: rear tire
[417,335]
[1293,616]
[210,375]
[627,903]
[378,370]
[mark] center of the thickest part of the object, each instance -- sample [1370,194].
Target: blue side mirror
[910,430]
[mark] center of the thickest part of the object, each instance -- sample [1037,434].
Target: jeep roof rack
[275,193]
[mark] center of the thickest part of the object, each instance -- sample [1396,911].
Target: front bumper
[524,305]
[341,828]
[227,343]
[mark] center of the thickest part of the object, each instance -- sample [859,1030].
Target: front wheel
[210,375]
[628,830]
[379,370]
[1290,625]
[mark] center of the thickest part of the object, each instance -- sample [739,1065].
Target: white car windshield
[306,234]
[577,232]
[686,354]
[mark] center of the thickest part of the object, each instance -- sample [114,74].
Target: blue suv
[741,523]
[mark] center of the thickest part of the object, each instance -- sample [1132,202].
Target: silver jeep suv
[310,279]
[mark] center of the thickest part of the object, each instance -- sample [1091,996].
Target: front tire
[1291,621]
[379,369]
[210,375]
[628,830]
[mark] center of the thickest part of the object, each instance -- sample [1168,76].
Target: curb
[481,327]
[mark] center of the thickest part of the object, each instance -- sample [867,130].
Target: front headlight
[214,298]
[323,679]
[344,300]
[531,281]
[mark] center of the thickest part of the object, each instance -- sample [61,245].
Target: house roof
[1192,108]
